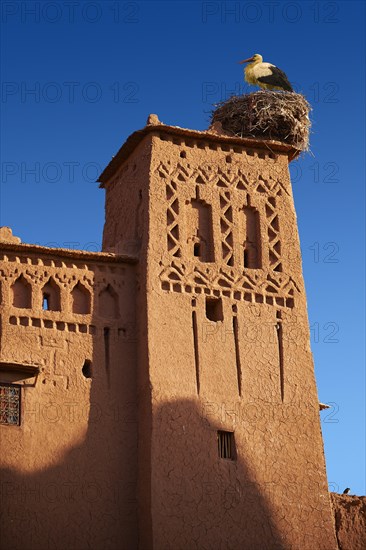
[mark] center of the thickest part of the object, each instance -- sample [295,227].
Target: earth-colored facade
[166,384]
[350,521]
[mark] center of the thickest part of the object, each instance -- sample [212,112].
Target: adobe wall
[350,521]
[127,197]
[248,371]
[68,472]
[127,229]
[208,332]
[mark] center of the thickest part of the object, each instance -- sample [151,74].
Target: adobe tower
[161,394]
[230,452]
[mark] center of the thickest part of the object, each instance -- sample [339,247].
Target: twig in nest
[267,115]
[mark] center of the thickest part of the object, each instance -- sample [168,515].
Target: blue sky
[78,78]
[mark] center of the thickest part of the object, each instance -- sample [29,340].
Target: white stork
[265,75]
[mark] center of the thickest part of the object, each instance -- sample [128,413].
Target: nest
[267,115]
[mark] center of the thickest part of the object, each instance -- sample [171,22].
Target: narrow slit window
[246,258]
[46,302]
[226,445]
[251,238]
[87,369]
[202,236]
[51,296]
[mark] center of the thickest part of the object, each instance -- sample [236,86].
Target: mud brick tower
[230,448]
[161,394]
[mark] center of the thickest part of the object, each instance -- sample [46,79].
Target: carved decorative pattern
[172,219]
[65,280]
[65,277]
[258,287]
[63,326]
[226,226]
[261,286]
[273,235]
[232,178]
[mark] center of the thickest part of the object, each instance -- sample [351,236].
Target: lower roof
[59,253]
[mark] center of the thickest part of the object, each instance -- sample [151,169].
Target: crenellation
[207,145]
[62,279]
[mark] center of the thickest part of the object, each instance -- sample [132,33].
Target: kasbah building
[160,394]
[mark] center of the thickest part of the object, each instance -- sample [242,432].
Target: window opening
[87,370]
[226,445]
[246,258]
[46,302]
[10,404]
[214,310]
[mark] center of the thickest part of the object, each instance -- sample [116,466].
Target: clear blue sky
[97,69]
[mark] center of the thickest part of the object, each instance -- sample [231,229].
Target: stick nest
[267,115]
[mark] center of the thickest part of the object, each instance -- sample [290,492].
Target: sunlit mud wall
[68,427]
[230,447]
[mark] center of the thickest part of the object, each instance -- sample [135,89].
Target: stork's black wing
[277,78]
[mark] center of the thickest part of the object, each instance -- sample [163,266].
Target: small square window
[226,445]
[214,310]
[10,404]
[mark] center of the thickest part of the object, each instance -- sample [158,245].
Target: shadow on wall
[86,496]
[202,500]
[88,500]
[204,494]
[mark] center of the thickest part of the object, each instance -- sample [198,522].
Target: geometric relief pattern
[61,326]
[10,405]
[260,287]
[78,288]
[231,178]
[172,219]
[273,289]
[226,226]
[273,235]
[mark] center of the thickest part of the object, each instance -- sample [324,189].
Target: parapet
[350,520]
[6,236]
[191,138]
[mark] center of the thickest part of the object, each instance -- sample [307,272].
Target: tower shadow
[88,499]
[198,499]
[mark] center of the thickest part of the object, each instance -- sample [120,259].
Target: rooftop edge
[136,137]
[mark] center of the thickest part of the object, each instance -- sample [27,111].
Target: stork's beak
[246,60]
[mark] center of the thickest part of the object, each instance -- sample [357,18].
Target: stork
[265,75]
